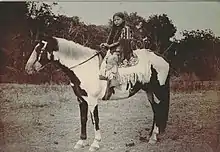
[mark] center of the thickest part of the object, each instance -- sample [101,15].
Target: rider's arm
[126,34]
[109,46]
[114,44]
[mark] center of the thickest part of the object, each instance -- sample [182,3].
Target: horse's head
[41,55]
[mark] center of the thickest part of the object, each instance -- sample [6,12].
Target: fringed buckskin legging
[109,67]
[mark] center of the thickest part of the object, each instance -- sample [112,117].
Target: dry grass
[189,86]
[43,118]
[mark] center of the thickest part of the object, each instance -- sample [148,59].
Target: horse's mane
[73,49]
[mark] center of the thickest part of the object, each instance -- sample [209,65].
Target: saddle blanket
[142,70]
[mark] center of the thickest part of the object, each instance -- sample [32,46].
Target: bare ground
[45,118]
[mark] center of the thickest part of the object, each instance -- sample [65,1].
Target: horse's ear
[36,41]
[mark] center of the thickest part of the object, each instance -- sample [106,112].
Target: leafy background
[194,57]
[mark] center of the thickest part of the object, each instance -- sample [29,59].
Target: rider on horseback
[119,44]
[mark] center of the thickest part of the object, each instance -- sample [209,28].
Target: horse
[82,66]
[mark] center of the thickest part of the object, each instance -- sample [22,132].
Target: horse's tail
[161,109]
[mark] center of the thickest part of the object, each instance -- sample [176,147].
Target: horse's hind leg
[84,117]
[154,130]
[159,99]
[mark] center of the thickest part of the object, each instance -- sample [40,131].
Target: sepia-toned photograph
[110,76]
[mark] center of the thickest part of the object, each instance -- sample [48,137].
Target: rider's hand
[101,45]
[104,45]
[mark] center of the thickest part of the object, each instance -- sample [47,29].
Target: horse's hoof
[80,144]
[152,141]
[92,148]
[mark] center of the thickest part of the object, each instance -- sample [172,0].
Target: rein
[97,53]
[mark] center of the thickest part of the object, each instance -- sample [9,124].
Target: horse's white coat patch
[156,99]
[92,102]
[153,138]
[98,135]
[160,65]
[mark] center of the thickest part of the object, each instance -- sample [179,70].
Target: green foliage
[40,18]
[159,29]
[12,11]
[198,52]
[13,25]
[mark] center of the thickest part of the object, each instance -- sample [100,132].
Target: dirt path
[46,119]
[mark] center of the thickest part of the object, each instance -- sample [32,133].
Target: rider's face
[118,21]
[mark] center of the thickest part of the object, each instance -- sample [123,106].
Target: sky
[185,15]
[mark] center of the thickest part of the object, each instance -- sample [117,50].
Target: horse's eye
[38,50]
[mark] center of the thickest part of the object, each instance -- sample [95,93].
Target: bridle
[42,51]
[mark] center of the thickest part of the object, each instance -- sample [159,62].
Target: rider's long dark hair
[116,30]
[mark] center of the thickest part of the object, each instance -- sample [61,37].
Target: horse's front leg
[83,117]
[95,120]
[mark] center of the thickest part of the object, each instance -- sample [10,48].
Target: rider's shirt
[126,33]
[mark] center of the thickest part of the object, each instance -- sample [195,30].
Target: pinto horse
[82,66]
